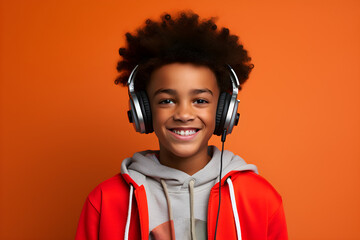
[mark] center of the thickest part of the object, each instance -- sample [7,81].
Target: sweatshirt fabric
[151,201]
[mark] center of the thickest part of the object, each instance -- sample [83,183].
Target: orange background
[64,127]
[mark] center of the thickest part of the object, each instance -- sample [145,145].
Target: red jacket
[259,206]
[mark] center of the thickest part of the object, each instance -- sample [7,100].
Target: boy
[183,86]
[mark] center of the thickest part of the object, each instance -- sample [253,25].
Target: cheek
[159,117]
[208,117]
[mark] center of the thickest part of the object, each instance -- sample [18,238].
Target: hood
[145,165]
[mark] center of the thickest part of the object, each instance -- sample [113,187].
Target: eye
[200,101]
[166,101]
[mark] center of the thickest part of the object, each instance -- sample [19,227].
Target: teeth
[184,133]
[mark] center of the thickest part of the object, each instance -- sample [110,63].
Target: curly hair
[184,39]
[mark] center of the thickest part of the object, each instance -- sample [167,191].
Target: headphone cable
[223,138]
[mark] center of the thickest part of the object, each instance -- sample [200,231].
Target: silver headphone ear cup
[135,115]
[146,111]
[221,112]
[226,114]
[234,115]
[132,116]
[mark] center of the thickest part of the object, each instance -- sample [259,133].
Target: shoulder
[112,189]
[256,188]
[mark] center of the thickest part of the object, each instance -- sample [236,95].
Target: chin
[185,150]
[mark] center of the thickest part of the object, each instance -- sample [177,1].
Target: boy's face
[183,99]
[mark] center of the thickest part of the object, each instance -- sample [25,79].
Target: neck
[189,165]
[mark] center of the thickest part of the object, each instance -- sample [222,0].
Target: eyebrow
[174,92]
[162,90]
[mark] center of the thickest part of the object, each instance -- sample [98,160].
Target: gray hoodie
[177,202]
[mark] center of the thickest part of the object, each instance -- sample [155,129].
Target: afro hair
[184,39]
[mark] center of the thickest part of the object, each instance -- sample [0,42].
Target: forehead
[182,77]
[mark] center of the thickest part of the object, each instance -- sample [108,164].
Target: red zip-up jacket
[259,207]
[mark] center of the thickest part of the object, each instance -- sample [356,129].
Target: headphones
[226,112]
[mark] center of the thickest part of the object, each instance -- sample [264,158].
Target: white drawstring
[127,226]
[234,208]
[167,199]
[192,215]
[163,183]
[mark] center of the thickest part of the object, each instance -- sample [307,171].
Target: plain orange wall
[64,127]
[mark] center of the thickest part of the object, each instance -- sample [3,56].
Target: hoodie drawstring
[167,199]
[234,208]
[192,215]
[172,230]
[191,189]
[127,226]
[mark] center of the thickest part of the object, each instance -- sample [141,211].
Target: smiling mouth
[187,132]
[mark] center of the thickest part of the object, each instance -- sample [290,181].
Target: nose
[184,112]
